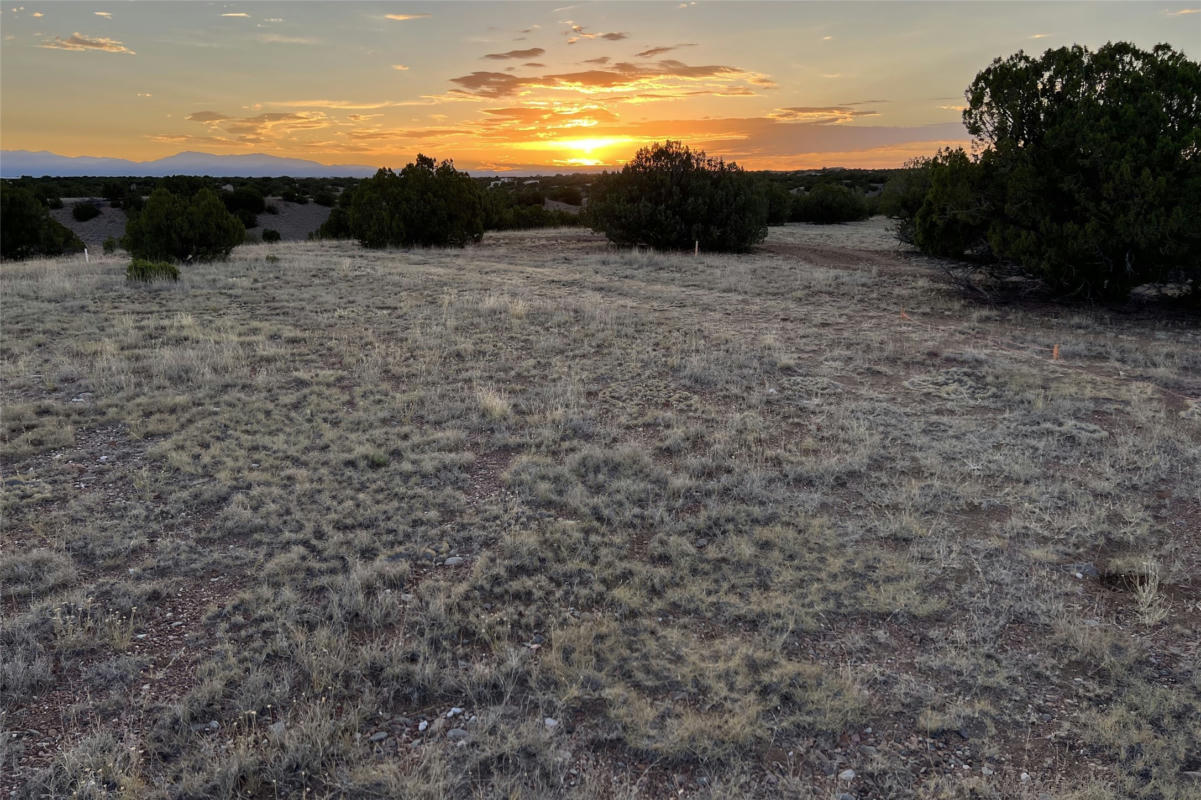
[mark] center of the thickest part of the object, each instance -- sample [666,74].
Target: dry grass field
[540,518]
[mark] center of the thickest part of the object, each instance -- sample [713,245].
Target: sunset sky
[532,87]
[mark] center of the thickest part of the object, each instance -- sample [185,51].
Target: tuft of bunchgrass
[147,271]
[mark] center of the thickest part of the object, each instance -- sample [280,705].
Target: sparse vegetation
[270,235]
[624,524]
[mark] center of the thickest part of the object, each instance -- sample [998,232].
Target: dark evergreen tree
[1094,165]
[829,203]
[671,197]
[27,229]
[172,228]
[426,204]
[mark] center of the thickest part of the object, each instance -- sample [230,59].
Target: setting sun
[496,85]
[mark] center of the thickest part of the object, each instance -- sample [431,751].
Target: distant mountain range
[15,163]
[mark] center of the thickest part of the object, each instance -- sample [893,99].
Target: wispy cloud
[1183,12]
[275,38]
[405,17]
[1039,35]
[658,51]
[820,115]
[401,67]
[37,14]
[80,43]
[236,14]
[206,116]
[105,14]
[598,60]
[533,52]
[578,33]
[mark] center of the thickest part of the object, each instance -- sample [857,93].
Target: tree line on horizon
[1086,175]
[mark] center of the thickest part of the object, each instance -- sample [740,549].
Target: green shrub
[113,191]
[146,271]
[671,197]
[325,198]
[571,195]
[424,205]
[954,216]
[174,229]
[904,194]
[270,235]
[132,202]
[829,203]
[82,212]
[336,225]
[27,229]
[272,208]
[293,196]
[779,202]
[212,232]
[110,246]
[1088,177]
[503,211]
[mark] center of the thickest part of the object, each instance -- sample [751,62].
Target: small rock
[421,726]
[846,775]
[277,728]
[551,723]
[701,544]
[454,712]
[214,725]
[1025,776]
[986,770]
[453,561]
[1084,570]
[538,638]
[379,736]
[973,728]
[457,734]
[846,796]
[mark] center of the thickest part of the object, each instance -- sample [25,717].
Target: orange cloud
[78,42]
[618,77]
[405,17]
